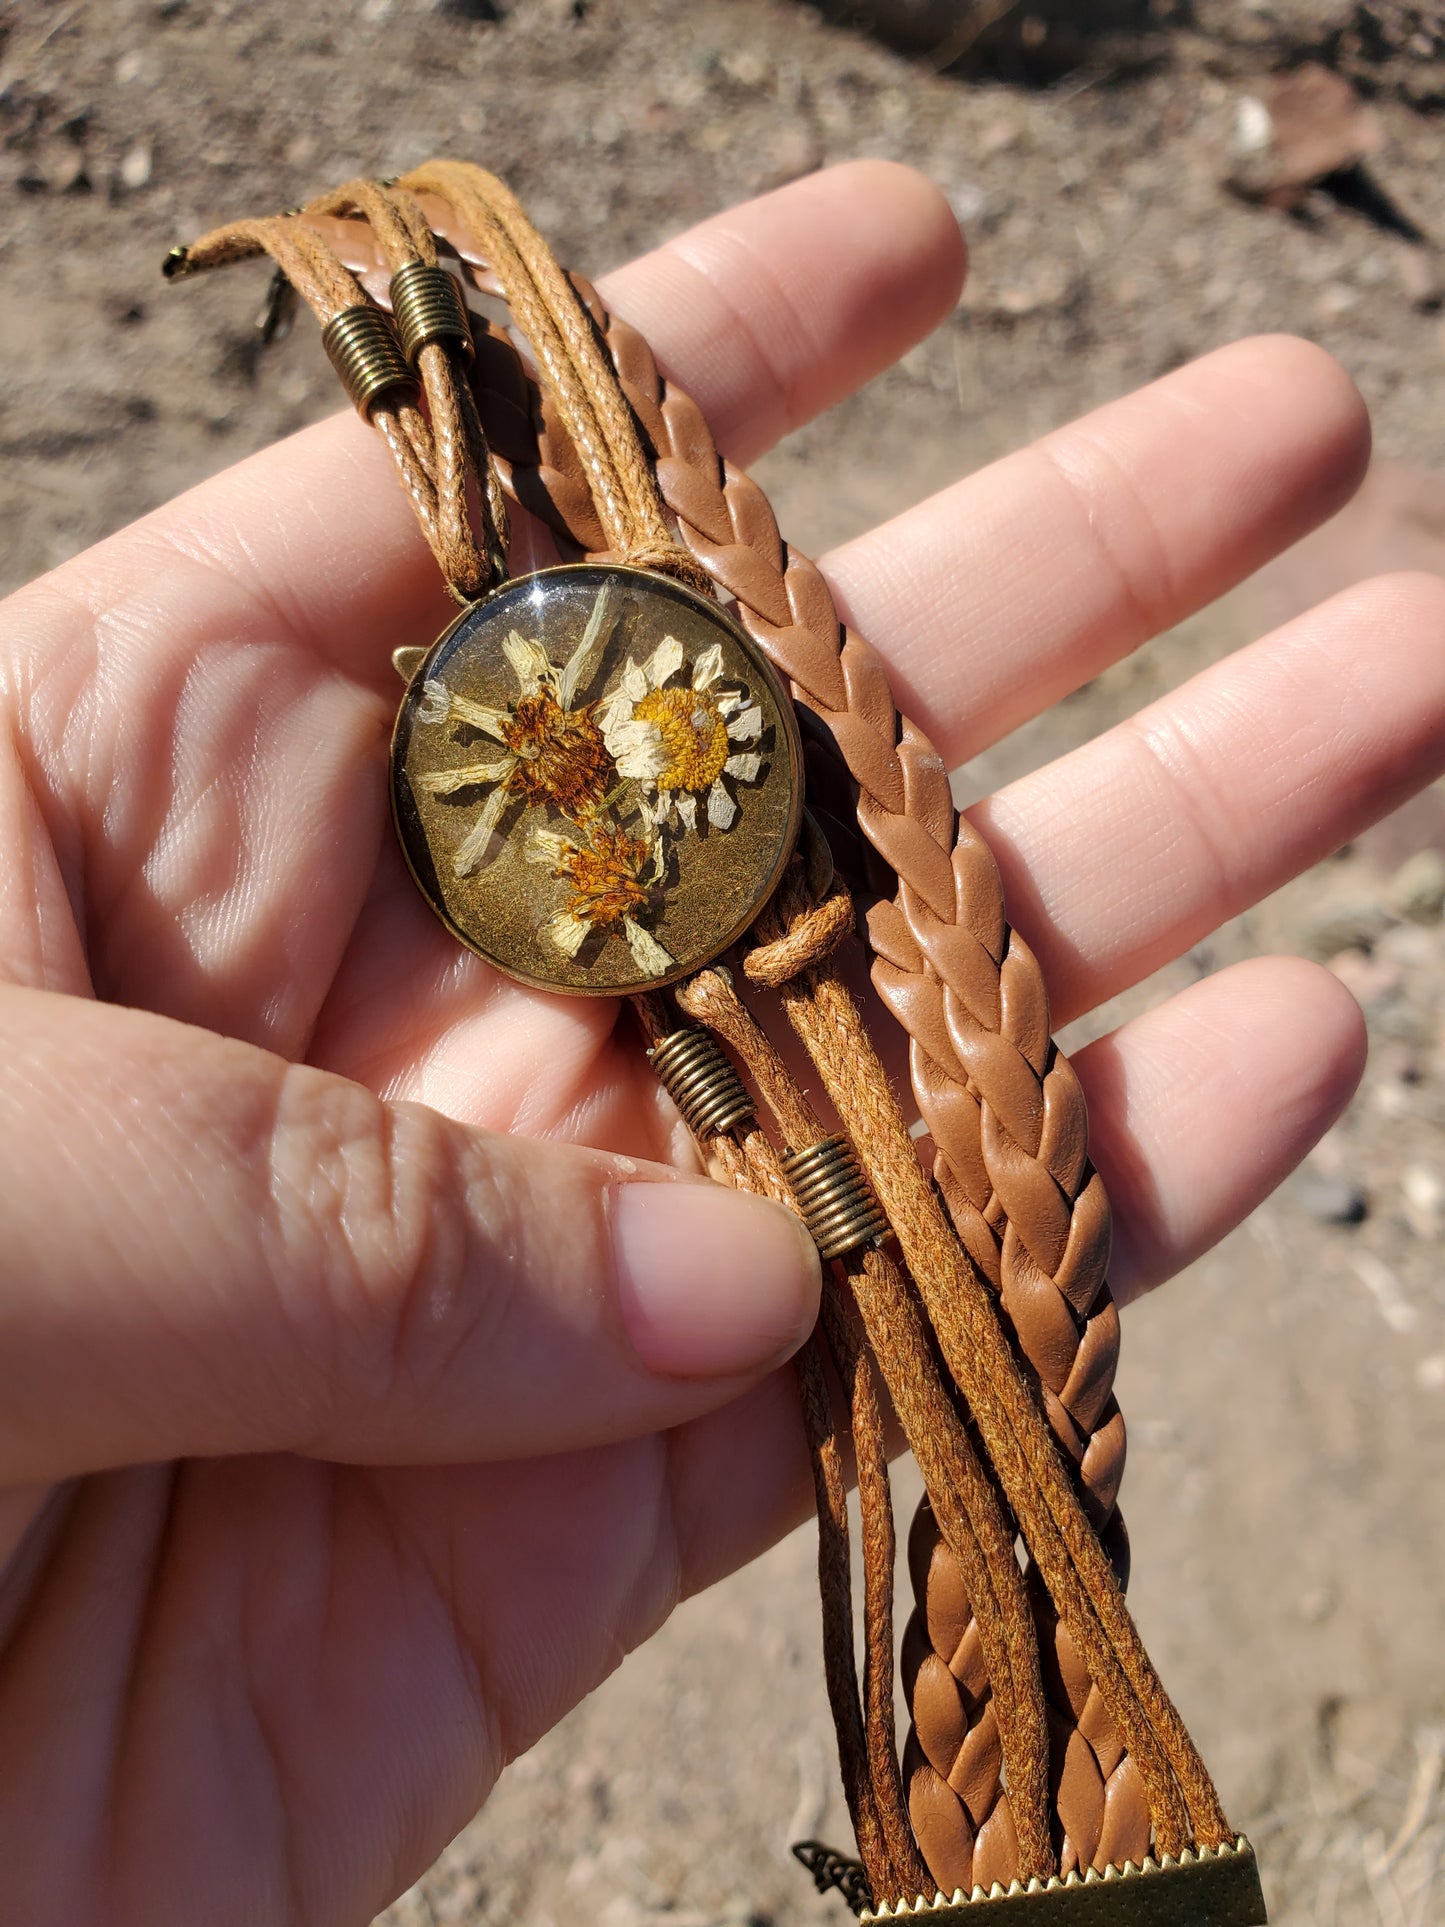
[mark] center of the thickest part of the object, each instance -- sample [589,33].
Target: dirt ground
[1287,1398]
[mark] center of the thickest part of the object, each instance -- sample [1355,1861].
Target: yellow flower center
[693,734]
[561,757]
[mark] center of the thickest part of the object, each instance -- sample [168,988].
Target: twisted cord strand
[462,461]
[430,477]
[575,367]
[979,1532]
[867,1756]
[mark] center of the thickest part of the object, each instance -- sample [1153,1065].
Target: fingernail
[711,1282]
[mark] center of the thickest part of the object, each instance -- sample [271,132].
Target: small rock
[135,168]
[1424,1194]
[71,174]
[1335,300]
[1353,924]
[1253,126]
[996,138]
[791,153]
[1298,127]
[1331,1199]
[747,66]
[1417,889]
[1430,1373]
[128,68]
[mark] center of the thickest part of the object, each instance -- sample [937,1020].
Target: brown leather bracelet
[1046,1764]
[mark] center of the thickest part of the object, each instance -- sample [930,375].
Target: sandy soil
[1287,1398]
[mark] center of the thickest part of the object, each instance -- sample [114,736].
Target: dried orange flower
[610,876]
[552,749]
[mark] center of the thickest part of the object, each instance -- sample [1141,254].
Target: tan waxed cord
[710,998]
[744,1158]
[333,295]
[462,458]
[964,1498]
[573,363]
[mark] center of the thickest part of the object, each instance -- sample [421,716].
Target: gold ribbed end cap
[366,354]
[427,305]
[1217,1885]
[701,1082]
[834,1198]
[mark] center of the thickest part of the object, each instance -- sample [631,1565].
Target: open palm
[344,1443]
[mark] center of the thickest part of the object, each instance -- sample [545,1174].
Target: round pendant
[596,779]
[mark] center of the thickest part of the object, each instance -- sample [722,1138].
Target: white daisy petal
[647,951]
[545,846]
[666,660]
[493,721]
[728,701]
[747,727]
[687,810]
[744,768]
[634,682]
[529,662]
[708,667]
[721,808]
[445,782]
[580,663]
[637,749]
[566,932]
[471,851]
[436,702]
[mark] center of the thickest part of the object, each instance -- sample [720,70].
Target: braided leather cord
[1001,1104]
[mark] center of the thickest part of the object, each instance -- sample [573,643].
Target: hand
[346,1443]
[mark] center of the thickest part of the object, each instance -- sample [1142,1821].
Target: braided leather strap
[1002,1105]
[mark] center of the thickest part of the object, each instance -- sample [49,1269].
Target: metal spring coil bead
[427,305]
[834,1198]
[701,1082]
[366,354]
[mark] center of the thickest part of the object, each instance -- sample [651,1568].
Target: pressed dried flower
[553,752]
[677,740]
[610,875]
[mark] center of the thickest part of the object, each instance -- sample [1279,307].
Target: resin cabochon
[714,881]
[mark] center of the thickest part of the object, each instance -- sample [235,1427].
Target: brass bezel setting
[788,748]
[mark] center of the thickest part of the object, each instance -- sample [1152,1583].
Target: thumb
[205,1249]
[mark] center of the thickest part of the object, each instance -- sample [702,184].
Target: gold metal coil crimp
[427,305]
[834,1198]
[366,354]
[701,1082]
